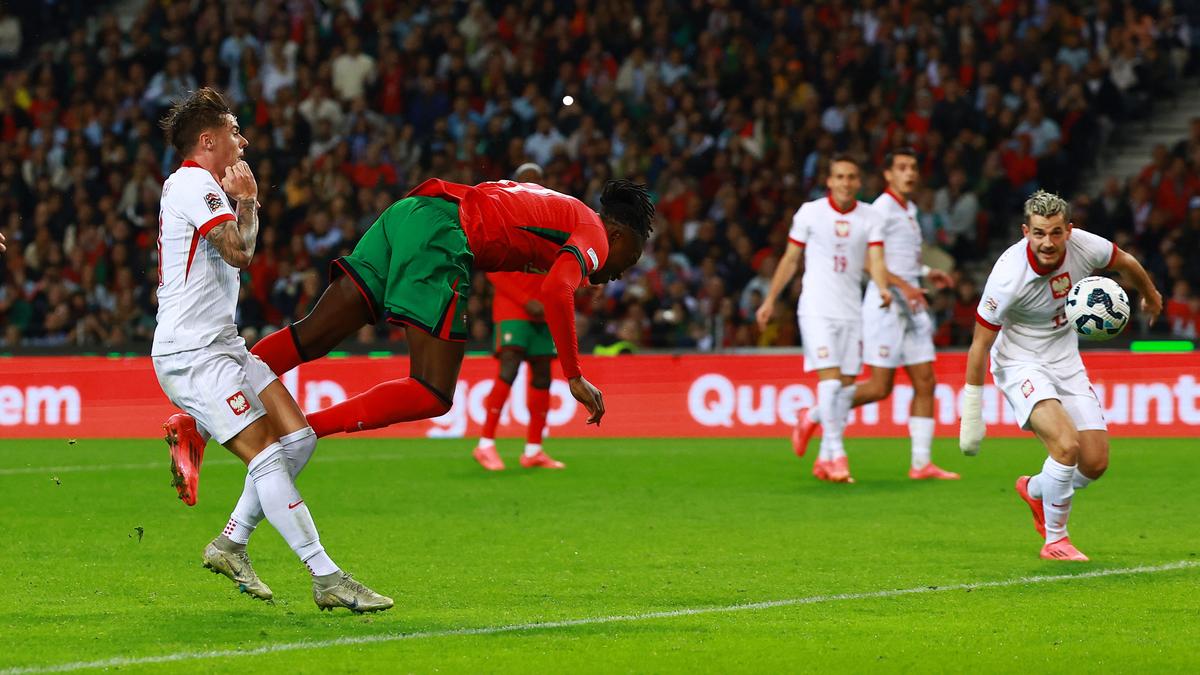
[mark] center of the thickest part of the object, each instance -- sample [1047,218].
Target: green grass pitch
[631,527]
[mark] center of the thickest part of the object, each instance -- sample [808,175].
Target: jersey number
[839,263]
[1060,319]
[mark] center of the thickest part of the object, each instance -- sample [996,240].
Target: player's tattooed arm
[235,240]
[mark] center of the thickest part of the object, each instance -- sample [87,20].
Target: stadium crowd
[726,111]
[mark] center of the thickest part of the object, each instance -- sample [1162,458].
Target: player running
[204,368]
[1021,320]
[902,333]
[413,268]
[836,235]
[521,335]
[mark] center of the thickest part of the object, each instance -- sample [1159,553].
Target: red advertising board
[646,396]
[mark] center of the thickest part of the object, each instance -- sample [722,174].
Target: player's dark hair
[889,160]
[200,111]
[629,203]
[844,157]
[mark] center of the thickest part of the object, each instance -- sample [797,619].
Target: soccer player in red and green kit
[521,335]
[413,268]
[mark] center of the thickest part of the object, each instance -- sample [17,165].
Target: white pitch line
[121,662]
[165,463]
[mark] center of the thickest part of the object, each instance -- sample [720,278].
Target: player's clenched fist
[764,313]
[239,182]
[589,396]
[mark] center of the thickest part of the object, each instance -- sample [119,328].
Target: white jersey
[901,236]
[197,289]
[835,256]
[1027,303]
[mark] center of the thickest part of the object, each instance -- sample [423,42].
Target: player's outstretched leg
[187,452]
[338,314]
[538,400]
[427,392]
[287,512]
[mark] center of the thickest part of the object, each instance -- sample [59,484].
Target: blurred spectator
[728,111]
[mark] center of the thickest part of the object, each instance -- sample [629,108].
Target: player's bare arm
[1129,268]
[971,428]
[235,240]
[789,265]
[879,274]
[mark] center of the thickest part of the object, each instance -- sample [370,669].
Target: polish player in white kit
[900,334]
[203,365]
[836,237]
[1021,321]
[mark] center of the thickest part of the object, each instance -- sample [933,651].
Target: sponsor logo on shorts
[841,228]
[508,337]
[238,403]
[884,351]
[1060,285]
[1027,388]
[214,202]
[822,352]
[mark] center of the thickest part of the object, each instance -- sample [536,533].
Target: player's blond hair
[1047,205]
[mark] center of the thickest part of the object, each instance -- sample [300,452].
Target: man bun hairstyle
[628,203]
[191,116]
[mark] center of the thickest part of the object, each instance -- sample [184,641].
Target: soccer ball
[1097,308]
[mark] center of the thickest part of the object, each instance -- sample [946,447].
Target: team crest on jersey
[1027,388]
[822,352]
[238,403]
[884,351]
[841,228]
[214,202]
[1061,285]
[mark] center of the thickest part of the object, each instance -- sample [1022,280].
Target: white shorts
[218,385]
[831,343]
[1024,385]
[893,336]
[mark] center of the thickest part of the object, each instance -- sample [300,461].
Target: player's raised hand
[940,279]
[1152,305]
[239,182]
[589,396]
[764,314]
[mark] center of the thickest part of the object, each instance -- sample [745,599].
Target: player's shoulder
[188,179]
[1081,238]
[1012,264]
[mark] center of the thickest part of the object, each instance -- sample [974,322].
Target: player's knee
[510,362]
[1065,448]
[1094,468]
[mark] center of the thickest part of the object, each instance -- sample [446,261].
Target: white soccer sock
[831,431]
[286,510]
[485,442]
[1080,481]
[1034,487]
[1055,481]
[814,414]
[298,448]
[532,449]
[845,399]
[921,431]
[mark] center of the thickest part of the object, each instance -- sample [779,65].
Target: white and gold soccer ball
[1097,308]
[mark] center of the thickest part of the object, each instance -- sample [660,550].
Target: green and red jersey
[524,227]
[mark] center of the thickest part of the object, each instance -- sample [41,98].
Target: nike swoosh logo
[1062,505]
[292,506]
